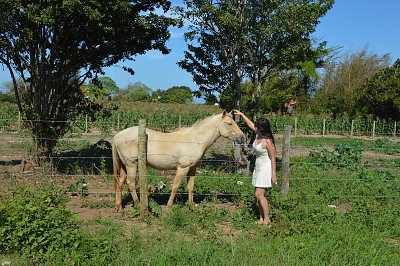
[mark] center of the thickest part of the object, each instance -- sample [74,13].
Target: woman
[264,174]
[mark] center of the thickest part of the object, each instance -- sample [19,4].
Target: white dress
[262,173]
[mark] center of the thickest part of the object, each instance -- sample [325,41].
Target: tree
[100,88]
[216,63]
[135,92]
[156,95]
[381,94]
[234,40]
[342,80]
[54,46]
[238,39]
[279,39]
[177,94]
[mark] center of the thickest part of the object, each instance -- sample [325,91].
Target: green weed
[79,188]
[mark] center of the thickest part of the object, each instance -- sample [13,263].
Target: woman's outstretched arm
[246,119]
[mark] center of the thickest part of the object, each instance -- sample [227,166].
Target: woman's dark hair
[265,128]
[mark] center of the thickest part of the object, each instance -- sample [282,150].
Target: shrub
[35,224]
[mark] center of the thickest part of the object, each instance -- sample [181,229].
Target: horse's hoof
[117,209]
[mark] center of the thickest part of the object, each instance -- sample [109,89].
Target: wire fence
[25,150]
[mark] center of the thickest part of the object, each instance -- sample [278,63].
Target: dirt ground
[16,168]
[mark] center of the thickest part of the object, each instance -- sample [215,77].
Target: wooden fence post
[19,122]
[295,126]
[142,162]
[286,160]
[373,129]
[86,124]
[352,128]
[118,122]
[394,129]
[324,128]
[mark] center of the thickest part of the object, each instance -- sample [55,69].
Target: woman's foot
[266,220]
[261,221]
[266,224]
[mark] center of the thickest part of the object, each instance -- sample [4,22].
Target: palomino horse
[180,150]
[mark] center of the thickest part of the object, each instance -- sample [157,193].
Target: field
[343,206]
[165,117]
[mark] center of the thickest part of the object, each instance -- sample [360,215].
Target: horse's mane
[197,123]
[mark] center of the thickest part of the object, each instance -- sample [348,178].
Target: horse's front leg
[190,184]
[180,174]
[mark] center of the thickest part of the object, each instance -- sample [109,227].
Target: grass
[333,215]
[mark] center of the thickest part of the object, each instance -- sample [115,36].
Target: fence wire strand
[20,139]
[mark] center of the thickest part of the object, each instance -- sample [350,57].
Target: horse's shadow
[94,159]
[10,163]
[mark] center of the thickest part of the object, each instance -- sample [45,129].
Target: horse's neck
[205,131]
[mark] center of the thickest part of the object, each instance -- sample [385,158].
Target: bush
[35,224]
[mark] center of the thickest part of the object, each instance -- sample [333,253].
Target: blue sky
[351,24]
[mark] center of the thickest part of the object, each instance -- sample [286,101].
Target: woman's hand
[237,112]
[273,178]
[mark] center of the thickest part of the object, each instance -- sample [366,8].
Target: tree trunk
[255,102]
[43,137]
[240,151]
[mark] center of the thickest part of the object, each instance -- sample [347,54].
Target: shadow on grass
[94,159]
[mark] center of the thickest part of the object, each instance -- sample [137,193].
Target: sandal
[266,225]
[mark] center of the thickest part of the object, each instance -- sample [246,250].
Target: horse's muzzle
[240,139]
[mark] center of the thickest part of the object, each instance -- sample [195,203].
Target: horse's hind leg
[131,181]
[190,184]
[180,174]
[118,182]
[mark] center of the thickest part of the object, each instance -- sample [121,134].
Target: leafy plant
[36,223]
[79,187]
[154,207]
[386,146]
[347,155]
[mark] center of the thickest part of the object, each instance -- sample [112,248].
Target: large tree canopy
[381,94]
[233,40]
[134,92]
[342,81]
[177,94]
[100,88]
[53,46]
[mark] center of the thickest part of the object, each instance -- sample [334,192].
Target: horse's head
[229,129]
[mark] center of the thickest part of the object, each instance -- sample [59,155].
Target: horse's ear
[224,113]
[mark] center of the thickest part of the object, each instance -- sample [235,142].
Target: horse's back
[164,150]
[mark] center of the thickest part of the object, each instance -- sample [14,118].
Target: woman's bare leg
[262,205]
